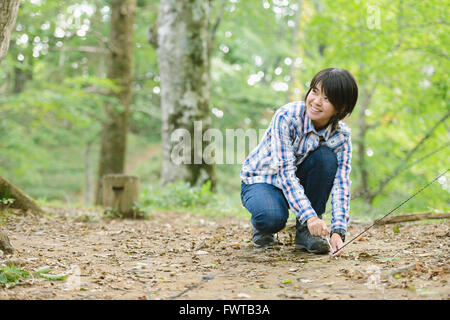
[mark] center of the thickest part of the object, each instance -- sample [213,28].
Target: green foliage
[6,201]
[53,88]
[44,273]
[11,275]
[112,214]
[178,195]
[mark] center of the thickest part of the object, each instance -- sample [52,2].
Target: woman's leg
[316,174]
[269,210]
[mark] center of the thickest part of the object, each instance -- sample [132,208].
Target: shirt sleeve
[283,160]
[340,193]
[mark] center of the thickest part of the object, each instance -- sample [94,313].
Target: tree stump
[120,194]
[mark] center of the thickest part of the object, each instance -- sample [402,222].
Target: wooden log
[413,217]
[21,200]
[120,194]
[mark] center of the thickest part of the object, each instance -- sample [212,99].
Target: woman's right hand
[317,227]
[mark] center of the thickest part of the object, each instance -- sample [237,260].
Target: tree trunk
[115,125]
[184,64]
[8,16]
[361,143]
[87,173]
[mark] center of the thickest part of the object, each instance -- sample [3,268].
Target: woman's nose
[318,99]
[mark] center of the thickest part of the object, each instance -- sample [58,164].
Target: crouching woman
[304,156]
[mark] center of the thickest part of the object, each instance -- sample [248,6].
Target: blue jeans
[267,203]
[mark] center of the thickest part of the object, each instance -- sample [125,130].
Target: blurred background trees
[55,84]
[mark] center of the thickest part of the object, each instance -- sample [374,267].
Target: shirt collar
[308,127]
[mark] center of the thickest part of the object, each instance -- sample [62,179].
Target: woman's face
[319,108]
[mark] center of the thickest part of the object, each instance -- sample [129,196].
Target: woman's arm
[340,193]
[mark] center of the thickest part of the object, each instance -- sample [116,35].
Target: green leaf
[396,229]
[3,279]
[42,270]
[11,275]
[10,285]
[388,259]
[54,277]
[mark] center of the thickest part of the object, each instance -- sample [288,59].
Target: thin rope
[423,188]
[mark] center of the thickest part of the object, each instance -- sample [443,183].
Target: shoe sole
[303,248]
[263,246]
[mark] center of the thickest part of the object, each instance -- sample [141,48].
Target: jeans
[267,203]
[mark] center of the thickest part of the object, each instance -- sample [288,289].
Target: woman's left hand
[336,243]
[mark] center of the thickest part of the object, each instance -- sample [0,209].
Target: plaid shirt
[290,137]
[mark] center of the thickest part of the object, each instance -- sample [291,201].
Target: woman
[304,156]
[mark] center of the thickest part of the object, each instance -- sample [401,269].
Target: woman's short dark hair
[340,88]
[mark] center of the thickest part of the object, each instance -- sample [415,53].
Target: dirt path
[142,157]
[195,257]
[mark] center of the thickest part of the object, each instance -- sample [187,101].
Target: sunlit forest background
[54,87]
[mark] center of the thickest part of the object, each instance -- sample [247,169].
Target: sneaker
[262,240]
[306,242]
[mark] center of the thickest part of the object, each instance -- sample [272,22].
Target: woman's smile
[315,109]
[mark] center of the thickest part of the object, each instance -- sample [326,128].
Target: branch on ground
[413,217]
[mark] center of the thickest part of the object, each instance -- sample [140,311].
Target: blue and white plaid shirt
[290,137]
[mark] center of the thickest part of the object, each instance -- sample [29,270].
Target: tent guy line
[416,193]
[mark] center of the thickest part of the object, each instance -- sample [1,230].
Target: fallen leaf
[55,277]
[418,267]
[364,255]
[396,229]
[386,259]
[361,239]
[306,280]
[425,292]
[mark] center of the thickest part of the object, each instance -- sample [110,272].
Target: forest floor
[188,256]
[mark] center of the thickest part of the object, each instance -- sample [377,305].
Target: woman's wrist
[339,232]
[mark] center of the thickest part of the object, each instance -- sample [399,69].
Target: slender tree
[183,49]
[117,114]
[8,16]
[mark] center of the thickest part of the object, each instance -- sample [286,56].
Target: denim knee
[323,159]
[268,222]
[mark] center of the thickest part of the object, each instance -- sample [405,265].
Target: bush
[178,195]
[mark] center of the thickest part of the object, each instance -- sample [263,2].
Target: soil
[187,256]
